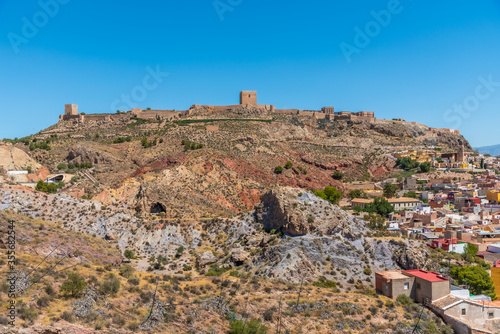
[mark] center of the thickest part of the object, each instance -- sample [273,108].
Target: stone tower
[248,97]
[71,109]
[461,154]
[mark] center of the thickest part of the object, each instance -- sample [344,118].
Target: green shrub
[234,273]
[322,282]
[404,300]
[127,271]
[74,285]
[278,170]
[254,326]
[330,194]
[111,285]
[338,176]
[215,270]
[288,165]
[129,254]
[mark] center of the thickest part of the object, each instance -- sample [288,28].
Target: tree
[410,194]
[288,165]
[375,221]
[390,190]
[357,208]
[470,252]
[330,194]
[49,188]
[338,175]
[482,163]
[477,279]
[356,193]
[407,163]
[380,206]
[74,285]
[278,169]
[425,167]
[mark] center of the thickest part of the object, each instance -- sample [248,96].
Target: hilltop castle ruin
[248,100]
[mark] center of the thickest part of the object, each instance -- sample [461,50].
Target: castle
[248,99]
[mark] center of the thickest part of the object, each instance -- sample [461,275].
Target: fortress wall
[68,117]
[154,114]
[451,131]
[267,107]
[362,118]
[119,117]
[95,118]
[222,108]
[287,111]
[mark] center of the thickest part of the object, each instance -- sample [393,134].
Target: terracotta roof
[362,200]
[391,274]
[446,301]
[402,199]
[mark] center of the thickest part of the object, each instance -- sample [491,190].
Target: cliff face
[295,212]
[332,243]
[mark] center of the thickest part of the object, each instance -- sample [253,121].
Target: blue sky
[432,62]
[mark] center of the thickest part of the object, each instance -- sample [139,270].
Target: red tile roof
[426,275]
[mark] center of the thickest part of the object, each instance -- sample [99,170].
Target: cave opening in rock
[158,208]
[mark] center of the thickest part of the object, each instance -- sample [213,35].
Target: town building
[402,203]
[420,285]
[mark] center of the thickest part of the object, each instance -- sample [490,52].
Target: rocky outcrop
[84,306]
[412,256]
[205,258]
[239,256]
[296,212]
[12,158]
[81,153]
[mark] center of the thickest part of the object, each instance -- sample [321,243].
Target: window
[418,285]
[407,286]
[491,314]
[464,311]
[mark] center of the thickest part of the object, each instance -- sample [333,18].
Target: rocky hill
[292,235]
[145,165]
[213,229]
[202,273]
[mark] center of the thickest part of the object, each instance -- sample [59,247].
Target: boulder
[205,258]
[239,255]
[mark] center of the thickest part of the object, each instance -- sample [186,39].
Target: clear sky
[434,62]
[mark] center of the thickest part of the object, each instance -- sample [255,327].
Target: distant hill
[493,150]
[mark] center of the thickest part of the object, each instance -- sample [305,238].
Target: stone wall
[159,114]
[95,118]
[287,111]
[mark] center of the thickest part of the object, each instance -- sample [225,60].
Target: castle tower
[71,109]
[248,97]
